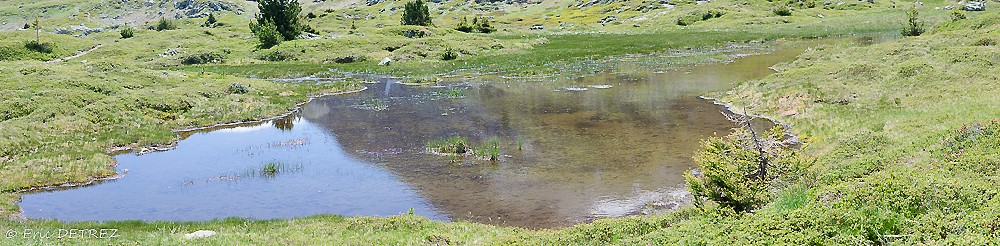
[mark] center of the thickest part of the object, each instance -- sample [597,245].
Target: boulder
[975,6]
[307,35]
[385,61]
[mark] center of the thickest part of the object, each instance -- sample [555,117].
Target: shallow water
[594,147]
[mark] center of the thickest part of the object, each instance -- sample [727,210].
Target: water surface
[574,150]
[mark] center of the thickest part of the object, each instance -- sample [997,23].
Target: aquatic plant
[454,93]
[269,169]
[489,150]
[374,104]
[520,143]
[454,145]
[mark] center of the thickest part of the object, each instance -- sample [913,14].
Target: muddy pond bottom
[570,151]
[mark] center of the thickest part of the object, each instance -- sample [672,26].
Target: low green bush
[164,25]
[41,47]
[449,54]
[782,11]
[202,58]
[127,32]
[733,173]
[238,88]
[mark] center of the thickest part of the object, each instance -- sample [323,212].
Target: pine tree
[416,13]
[38,29]
[211,20]
[283,14]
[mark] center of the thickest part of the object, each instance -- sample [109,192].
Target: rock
[536,27]
[975,6]
[949,7]
[307,35]
[199,234]
[607,19]
[170,52]
[385,61]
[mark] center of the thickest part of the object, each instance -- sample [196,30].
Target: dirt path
[75,56]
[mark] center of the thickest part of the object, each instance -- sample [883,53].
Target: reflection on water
[224,173]
[598,146]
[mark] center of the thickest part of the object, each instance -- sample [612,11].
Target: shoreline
[19,215]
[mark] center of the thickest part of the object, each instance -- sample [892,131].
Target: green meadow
[903,134]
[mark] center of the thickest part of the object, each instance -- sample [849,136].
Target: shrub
[463,25]
[127,32]
[484,25]
[782,11]
[449,54]
[283,14]
[985,42]
[349,59]
[480,24]
[164,25]
[203,58]
[39,46]
[913,25]
[278,56]
[957,15]
[416,13]
[729,170]
[267,33]
[311,15]
[699,16]
[238,88]
[211,21]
